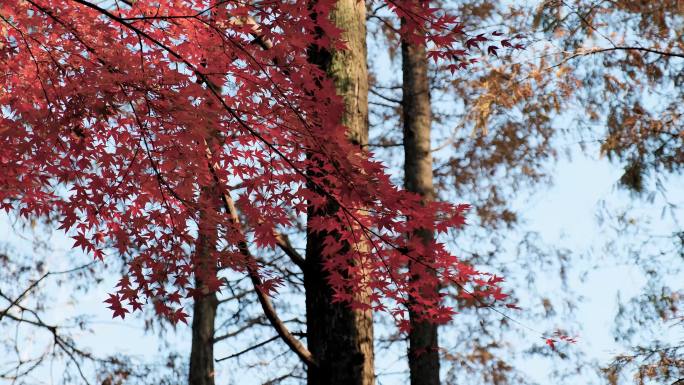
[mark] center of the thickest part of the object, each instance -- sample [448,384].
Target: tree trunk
[423,354]
[202,353]
[339,338]
[204,308]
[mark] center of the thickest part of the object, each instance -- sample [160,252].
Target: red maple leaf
[115,305]
[551,342]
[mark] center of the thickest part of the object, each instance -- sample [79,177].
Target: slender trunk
[202,353]
[204,309]
[339,338]
[423,352]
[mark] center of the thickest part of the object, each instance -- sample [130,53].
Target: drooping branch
[283,332]
[270,312]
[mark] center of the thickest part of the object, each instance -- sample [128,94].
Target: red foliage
[112,119]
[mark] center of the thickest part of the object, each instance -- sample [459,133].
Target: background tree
[423,351]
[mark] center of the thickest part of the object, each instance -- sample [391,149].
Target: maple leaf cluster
[133,125]
[445,35]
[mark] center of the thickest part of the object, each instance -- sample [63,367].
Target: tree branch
[249,324]
[386,98]
[249,349]
[636,48]
[33,285]
[595,51]
[293,343]
[280,327]
[284,243]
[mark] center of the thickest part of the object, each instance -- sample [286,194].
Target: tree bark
[339,338]
[204,309]
[423,354]
[202,353]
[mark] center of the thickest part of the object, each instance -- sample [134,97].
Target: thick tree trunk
[423,352]
[339,338]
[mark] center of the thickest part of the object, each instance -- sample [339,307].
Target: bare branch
[284,243]
[255,321]
[249,349]
[595,51]
[34,284]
